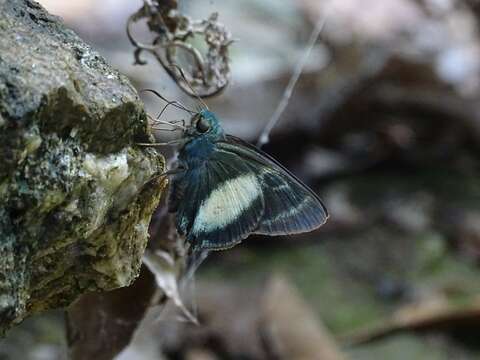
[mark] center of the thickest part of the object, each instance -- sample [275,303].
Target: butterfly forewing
[222,204]
[290,206]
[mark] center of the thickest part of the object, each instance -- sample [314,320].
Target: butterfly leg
[177,170]
[168,143]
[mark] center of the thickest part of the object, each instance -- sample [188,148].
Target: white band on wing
[226,203]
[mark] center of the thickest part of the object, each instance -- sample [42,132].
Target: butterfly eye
[203,125]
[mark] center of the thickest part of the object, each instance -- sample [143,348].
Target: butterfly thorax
[204,132]
[196,151]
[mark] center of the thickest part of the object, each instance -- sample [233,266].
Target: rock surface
[75,196]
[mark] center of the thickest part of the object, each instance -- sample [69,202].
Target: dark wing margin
[222,202]
[290,206]
[181,189]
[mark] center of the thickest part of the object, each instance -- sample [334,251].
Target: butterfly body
[230,189]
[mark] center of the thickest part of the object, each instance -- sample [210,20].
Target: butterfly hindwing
[290,206]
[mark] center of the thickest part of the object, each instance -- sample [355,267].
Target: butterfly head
[204,125]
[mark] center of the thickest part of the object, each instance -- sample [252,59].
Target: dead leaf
[166,273]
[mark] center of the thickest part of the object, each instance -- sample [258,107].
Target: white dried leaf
[166,273]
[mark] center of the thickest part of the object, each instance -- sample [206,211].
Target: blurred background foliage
[385,125]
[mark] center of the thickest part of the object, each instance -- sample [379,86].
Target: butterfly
[227,189]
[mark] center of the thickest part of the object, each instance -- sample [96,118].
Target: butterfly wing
[290,206]
[221,202]
[241,190]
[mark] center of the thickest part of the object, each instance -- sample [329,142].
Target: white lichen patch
[73,132]
[33,141]
[109,171]
[100,202]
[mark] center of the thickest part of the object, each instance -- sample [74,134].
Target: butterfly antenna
[163,110]
[162,129]
[177,104]
[178,121]
[172,124]
[182,74]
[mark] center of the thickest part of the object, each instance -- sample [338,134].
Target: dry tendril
[207,73]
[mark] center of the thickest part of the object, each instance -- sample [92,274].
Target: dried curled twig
[206,74]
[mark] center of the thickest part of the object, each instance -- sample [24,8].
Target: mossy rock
[75,196]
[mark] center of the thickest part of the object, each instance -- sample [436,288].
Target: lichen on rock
[76,193]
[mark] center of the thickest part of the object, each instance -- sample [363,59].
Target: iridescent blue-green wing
[222,203]
[290,206]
